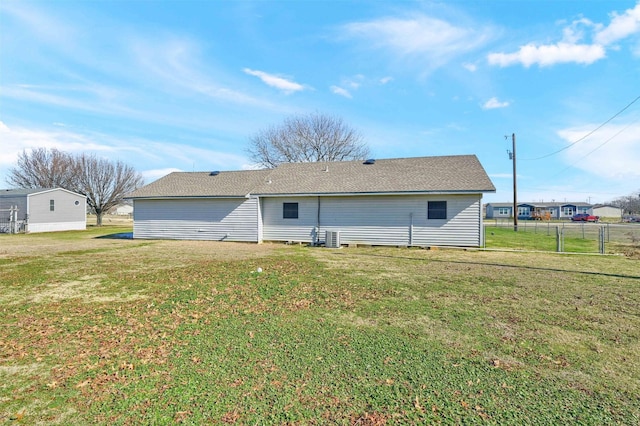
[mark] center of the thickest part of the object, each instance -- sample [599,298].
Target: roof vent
[214,173]
[370,161]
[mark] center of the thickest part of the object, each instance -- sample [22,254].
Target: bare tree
[307,138]
[42,168]
[629,203]
[104,183]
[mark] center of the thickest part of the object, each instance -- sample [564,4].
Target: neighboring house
[606,210]
[544,211]
[122,210]
[44,210]
[426,201]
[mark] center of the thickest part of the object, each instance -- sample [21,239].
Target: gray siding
[493,212]
[20,201]
[69,211]
[65,208]
[229,219]
[377,220]
[275,228]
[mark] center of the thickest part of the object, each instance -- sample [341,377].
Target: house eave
[368,193]
[183,197]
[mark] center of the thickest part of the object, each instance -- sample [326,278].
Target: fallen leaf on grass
[83,384]
[230,417]
[181,416]
[17,416]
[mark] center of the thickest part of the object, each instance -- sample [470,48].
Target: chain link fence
[565,237]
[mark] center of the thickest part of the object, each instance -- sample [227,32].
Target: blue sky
[183,85]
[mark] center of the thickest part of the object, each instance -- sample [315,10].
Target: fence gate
[603,236]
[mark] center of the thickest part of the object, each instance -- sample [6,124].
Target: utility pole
[512,157]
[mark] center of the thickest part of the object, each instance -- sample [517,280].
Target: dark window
[52,206]
[289,210]
[437,210]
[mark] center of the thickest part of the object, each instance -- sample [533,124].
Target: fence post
[13,220]
[558,245]
[601,239]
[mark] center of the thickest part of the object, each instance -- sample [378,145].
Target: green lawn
[576,237]
[112,331]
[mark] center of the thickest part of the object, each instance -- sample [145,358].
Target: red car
[584,217]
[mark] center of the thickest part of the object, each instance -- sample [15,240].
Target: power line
[585,136]
[596,148]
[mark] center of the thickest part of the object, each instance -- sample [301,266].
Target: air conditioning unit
[332,239]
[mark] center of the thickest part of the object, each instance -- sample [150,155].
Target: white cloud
[17,139]
[470,67]
[287,86]
[177,62]
[550,54]
[155,174]
[494,103]
[572,48]
[432,40]
[155,157]
[611,153]
[385,80]
[621,26]
[340,91]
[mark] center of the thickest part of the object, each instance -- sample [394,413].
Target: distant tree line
[105,183]
[630,204]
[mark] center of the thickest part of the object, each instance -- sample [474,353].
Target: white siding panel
[377,220]
[197,219]
[463,226]
[57,226]
[65,209]
[276,228]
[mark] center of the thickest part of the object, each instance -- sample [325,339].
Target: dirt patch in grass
[190,331]
[87,288]
[31,245]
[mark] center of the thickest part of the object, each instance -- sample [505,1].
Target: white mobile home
[606,210]
[45,210]
[425,201]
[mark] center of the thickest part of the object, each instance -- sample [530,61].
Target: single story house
[44,210]
[122,210]
[606,210]
[543,211]
[425,201]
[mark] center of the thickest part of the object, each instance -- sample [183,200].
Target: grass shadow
[117,236]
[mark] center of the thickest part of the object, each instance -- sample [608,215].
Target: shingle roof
[22,191]
[462,173]
[203,184]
